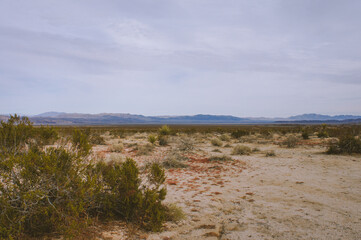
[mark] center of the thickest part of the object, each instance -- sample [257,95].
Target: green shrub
[241,150]
[45,135]
[61,191]
[152,139]
[291,141]
[347,144]
[305,134]
[80,142]
[322,133]
[15,134]
[216,142]
[164,130]
[239,133]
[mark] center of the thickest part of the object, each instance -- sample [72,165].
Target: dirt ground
[300,193]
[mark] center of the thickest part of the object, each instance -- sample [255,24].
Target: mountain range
[62,118]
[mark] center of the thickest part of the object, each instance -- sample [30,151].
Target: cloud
[245,58]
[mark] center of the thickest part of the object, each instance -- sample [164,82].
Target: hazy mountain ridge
[62,118]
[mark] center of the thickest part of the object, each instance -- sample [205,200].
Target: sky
[271,58]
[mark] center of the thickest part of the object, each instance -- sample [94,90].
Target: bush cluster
[61,190]
[347,144]
[239,133]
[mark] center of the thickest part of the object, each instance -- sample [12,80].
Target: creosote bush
[60,190]
[164,130]
[152,139]
[291,141]
[347,144]
[241,150]
[239,133]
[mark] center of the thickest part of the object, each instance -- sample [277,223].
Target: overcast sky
[175,57]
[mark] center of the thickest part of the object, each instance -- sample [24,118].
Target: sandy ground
[300,193]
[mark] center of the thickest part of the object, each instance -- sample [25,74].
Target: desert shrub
[305,135]
[80,141]
[241,150]
[290,141]
[153,212]
[152,139]
[186,144]
[43,192]
[118,147]
[118,133]
[164,130]
[270,153]
[60,190]
[227,145]
[255,149]
[15,134]
[347,144]
[96,139]
[45,135]
[225,138]
[322,133]
[216,150]
[220,158]
[174,213]
[239,133]
[144,149]
[163,140]
[216,142]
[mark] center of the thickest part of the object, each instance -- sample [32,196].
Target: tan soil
[300,193]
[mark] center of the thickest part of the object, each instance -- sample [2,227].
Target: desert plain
[265,191]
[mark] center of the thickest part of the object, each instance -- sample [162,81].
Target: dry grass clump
[144,149]
[220,158]
[186,144]
[174,213]
[174,160]
[241,150]
[163,140]
[118,147]
[216,142]
[256,149]
[216,150]
[225,137]
[227,145]
[270,153]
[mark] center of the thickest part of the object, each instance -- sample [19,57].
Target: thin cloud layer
[244,58]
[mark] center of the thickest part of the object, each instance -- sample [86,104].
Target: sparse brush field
[180,182]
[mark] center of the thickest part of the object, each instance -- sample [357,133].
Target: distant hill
[62,118]
[319,117]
